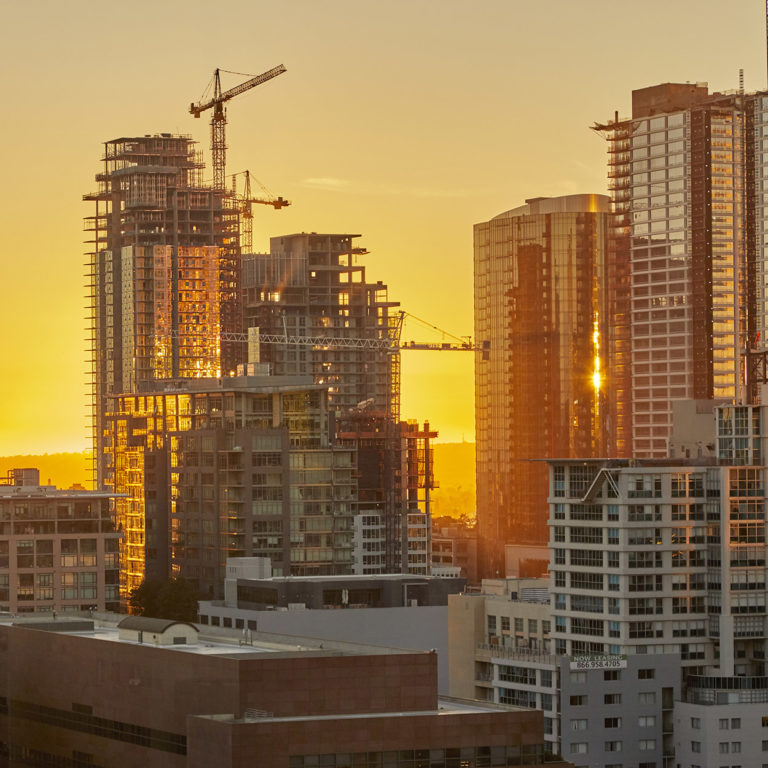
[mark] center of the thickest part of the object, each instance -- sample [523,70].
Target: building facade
[163,272]
[686,173]
[234,467]
[59,550]
[657,606]
[393,521]
[543,384]
[154,693]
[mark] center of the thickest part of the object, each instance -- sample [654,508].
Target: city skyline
[447,115]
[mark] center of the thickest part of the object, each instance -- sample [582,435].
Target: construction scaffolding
[163,272]
[311,286]
[618,134]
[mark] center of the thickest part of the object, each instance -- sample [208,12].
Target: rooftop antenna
[741,75]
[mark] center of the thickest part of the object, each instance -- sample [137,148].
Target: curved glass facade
[543,387]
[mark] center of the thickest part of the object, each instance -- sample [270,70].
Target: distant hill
[60,469]
[455,475]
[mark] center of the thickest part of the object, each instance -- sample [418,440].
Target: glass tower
[544,387]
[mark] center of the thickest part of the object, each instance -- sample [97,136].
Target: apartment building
[234,467]
[58,548]
[686,173]
[657,603]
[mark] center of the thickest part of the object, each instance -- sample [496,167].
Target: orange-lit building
[687,172]
[231,467]
[163,272]
[545,299]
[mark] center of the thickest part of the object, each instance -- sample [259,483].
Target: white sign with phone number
[598,662]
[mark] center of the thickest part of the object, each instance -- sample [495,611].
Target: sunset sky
[406,121]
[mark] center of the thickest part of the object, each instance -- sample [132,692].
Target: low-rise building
[58,548]
[215,701]
[395,610]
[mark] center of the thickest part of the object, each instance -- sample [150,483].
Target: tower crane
[219,117]
[246,213]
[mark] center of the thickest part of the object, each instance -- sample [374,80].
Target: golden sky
[406,121]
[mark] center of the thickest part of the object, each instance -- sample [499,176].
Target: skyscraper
[163,272]
[686,173]
[544,301]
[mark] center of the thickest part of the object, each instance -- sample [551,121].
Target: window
[646,674]
[765,745]
[696,723]
[724,747]
[695,746]
[735,747]
[723,723]
[578,677]
[612,722]
[579,724]
[578,701]
[579,748]
[612,698]
[647,697]
[735,722]
[612,746]
[646,744]
[612,674]
[646,721]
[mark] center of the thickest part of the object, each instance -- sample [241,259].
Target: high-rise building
[231,467]
[163,272]
[545,300]
[686,175]
[311,285]
[655,639]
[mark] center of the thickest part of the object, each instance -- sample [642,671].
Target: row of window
[643,721]
[581,747]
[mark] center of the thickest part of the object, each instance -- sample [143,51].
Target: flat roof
[210,641]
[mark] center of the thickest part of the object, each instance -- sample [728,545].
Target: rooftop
[211,641]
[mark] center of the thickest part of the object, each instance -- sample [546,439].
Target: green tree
[174,599]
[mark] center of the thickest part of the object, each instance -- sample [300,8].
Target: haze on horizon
[407,122]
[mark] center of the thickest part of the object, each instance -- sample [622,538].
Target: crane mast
[246,213]
[219,117]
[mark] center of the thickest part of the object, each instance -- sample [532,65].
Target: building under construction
[394,481]
[163,272]
[310,285]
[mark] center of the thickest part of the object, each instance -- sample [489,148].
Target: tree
[174,599]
